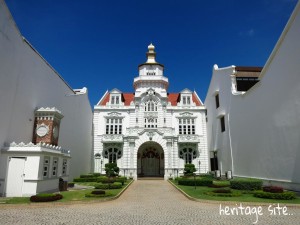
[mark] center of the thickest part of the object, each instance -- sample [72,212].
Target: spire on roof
[151,54]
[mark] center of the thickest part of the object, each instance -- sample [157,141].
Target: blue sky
[98,44]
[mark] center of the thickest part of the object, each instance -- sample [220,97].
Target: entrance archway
[150,160]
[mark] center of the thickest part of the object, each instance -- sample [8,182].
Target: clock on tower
[46,125]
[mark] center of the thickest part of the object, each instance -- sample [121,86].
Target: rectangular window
[188,100]
[46,166]
[113,126]
[222,120]
[64,167]
[54,167]
[117,100]
[217,101]
[186,126]
[184,100]
[112,100]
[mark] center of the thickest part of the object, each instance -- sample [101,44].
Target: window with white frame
[46,166]
[54,167]
[186,100]
[151,122]
[115,99]
[186,126]
[150,106]
[64,167]
[188,154]
[113,126]
[112,154]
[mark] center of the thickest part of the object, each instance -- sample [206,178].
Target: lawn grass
[74,195]
[198,193]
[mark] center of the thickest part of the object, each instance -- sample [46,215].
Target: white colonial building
[150,132]
[45,125]
[254,114]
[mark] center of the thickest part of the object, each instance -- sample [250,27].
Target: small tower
[46,126]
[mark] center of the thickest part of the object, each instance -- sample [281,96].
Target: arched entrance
[150,160]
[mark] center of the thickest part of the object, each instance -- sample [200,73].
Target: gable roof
[127,98]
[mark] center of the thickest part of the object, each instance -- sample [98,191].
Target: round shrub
[102,179]
[287,195]
[47,197]
[246,184]
[87,179]
[102,186]
[273,189]
[109,181]
[121,179]
[116,185]
[98,192]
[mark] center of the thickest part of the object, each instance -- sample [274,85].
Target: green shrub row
[197,182]
[98,192]
[287,195]
[45,197]
[233,193]
[102,179]
[115,185]
[246,184]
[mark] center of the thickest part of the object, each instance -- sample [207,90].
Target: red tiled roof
[127,98]
[174,98]
[196,100]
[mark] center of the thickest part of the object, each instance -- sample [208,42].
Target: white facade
[150,132]
[28,82]
[262,125]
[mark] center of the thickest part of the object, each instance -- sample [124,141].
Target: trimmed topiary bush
[246,184]
[273,189]
[111,169]
[45,197]
[98,192]
[121,179]
[198,182]
[287,195]
[189,169]
[220,184]
[102,186]
[116,185]
[86,175]
[102,179]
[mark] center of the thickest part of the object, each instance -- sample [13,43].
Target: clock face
[42,130]
[55,132]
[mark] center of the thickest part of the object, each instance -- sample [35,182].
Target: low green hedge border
[45,197]
[246,184]
[102,179]
[115,185]
[287,195]
[197,182]
[232,193]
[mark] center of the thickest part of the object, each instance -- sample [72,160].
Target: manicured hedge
[102,186]
[71,184]
[246,184]
[115,185]
[88,179]
[198,182]
[86,176]
[287,195]
[232,193]
[273,189]
[98,192]
[222,190]
[102,179]
[45,197]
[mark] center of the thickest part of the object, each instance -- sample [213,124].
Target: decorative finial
[151,54]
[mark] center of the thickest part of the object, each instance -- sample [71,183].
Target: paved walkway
[144,202]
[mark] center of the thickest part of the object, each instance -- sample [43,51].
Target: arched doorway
[150,160]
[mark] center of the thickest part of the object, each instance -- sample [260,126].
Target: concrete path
[144,202]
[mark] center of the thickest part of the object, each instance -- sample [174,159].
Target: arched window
[187,154]
[150,106]
[112,154]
